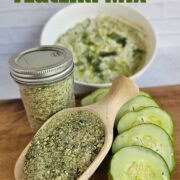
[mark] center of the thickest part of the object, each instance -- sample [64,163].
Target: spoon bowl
[123,89]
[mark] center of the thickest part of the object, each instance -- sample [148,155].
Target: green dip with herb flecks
[105,47]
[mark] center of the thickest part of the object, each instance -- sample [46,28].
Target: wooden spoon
[123,89]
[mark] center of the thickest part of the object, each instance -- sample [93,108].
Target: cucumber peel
[150,136]
[136,162]
[142,93]
[99,94]
[90,99]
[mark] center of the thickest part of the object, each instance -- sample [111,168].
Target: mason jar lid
[41,65]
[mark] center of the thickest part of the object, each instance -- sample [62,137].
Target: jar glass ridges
[45,78]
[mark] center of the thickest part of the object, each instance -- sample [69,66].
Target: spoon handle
[122,90]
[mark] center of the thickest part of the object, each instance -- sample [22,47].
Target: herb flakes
[65,147]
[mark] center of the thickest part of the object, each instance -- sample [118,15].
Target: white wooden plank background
[21,25]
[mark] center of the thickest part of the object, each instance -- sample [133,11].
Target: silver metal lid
[41,65]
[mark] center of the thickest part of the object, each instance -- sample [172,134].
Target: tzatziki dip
[105,47]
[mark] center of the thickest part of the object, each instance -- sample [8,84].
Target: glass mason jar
[45,78]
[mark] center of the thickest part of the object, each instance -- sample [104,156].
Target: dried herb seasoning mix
[65,147]
[45,78]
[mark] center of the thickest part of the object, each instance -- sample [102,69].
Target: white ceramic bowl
[71,15]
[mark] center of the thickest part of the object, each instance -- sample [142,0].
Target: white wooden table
[21,25]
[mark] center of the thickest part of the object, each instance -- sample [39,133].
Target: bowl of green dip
[106,40]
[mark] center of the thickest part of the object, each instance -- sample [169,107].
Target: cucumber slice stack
[134,105]
[94,97]
[152,115]
[137,103]
[100,93]
[149,136]
[143,148]
[146,134]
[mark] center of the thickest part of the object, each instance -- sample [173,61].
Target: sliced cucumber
[90,99]
[136,104]
[100,93]
[142,100]
[142,93]
[152,115]
[100,96]
[138,163]
[150,136]
[87,100]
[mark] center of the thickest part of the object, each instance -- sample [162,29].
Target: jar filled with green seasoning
[45,78]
